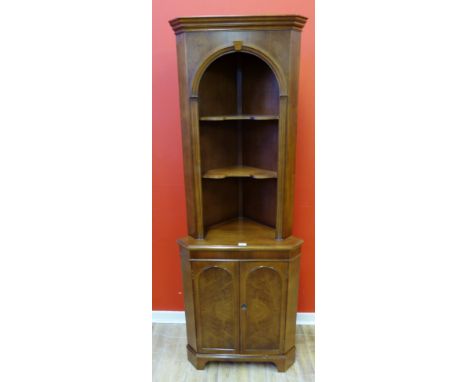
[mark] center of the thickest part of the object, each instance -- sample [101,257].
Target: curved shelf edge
[240,172]
[239,118]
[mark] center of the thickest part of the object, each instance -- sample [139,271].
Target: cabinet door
[263,288]
[216,291]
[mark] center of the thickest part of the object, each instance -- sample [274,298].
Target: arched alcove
[238,83]
[238,108]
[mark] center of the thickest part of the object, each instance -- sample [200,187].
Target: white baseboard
[305,319]
[178,317]
[168,317]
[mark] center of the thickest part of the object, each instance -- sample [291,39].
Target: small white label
[242,244]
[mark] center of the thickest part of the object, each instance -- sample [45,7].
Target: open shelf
[246,232]
[238,108]
[239,172]
[243,117]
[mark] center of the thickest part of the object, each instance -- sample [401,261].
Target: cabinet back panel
[219,145]
[218,88]
[220,200]
[260,144]
[260,200]
[260,87]
[238,83]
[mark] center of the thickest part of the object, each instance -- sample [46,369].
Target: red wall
[169,215]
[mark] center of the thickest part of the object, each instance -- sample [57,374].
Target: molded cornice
[191,24]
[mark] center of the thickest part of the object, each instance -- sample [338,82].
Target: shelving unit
[239,109]
[238,94]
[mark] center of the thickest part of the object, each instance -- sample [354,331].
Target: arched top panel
[215,269]
[269,272]
[240,48]
[238,83]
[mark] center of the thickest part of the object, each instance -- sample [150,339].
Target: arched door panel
[216,286]
[263,288]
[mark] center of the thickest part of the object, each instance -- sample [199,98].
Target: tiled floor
[170,360]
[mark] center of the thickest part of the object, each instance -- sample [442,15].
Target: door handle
[244,306]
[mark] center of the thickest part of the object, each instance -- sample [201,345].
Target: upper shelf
[239,172]
[243,117]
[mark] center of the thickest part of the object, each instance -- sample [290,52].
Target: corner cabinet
[238,80]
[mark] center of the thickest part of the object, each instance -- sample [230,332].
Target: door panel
[263,287]
[216,289]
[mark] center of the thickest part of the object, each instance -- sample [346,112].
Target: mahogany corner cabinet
[238,85]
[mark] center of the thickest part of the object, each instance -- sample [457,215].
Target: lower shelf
[240,234]
[282,361]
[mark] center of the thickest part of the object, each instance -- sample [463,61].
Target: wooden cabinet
[240,306]
[238,81]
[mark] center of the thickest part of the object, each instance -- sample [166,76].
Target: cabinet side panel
[290,152]
[291,308]
[188,299]
[187,144]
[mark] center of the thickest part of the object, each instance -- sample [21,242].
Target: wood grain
[239,172]
[218,145]
[189,304]
[242,117]
[260,144]
[185,24]
[216,306]
[220,201]
[292,297]
[260,201]
[260,87]
[238,81]
[226,73]
[218,91]
[263,295]
[228,235]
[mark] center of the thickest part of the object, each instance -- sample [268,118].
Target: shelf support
[239,101]
[281,191]
[197,191]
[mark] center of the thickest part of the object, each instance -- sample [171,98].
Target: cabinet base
[282,361]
